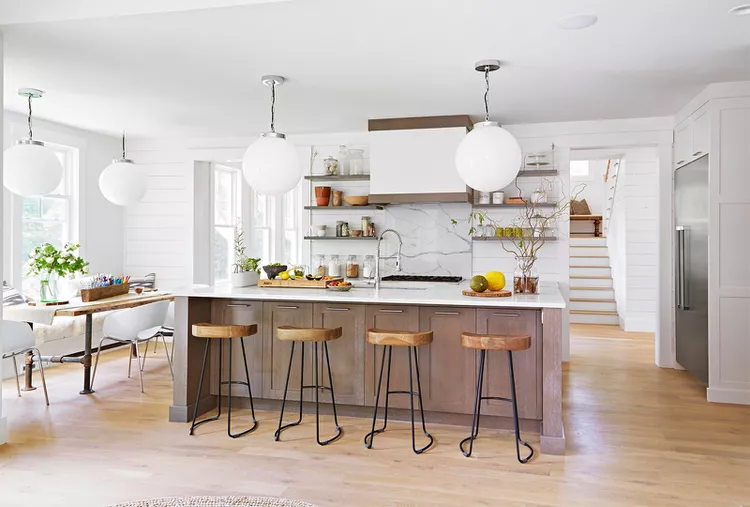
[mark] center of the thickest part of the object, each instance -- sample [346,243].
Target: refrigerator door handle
[681,279]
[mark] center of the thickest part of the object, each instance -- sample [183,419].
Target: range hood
[412,160]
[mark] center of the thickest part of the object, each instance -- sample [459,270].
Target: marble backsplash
[432,243]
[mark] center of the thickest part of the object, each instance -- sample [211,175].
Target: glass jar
[334,266]
[356,161]
[345,230]
[525,277]
[343,157]
[331,166]
[339,227]
[365,226]
[368,268]
[319,265]
[352,267]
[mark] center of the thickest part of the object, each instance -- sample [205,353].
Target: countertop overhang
[427,294]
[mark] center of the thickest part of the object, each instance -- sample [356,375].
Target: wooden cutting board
[488,294]
[299,284]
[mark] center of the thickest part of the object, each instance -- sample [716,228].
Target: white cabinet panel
[417,161]
[734,351]
[701,134]
[734,270]
[683,143]
[734,176]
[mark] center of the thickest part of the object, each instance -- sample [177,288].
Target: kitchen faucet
[378,258]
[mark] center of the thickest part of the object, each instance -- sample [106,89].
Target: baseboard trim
[733,396]
[3,430]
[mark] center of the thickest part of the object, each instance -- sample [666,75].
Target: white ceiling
[197,73]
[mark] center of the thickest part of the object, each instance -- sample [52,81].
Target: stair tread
[592,300]
[591,288]
[591,267]
[594,312]
[593,277]
[590,256]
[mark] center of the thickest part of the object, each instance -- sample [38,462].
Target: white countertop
[428,294]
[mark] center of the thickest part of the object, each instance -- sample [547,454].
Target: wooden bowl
[356,233]
[357,200]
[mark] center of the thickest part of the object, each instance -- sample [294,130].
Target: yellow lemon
[284,275]
[495,280]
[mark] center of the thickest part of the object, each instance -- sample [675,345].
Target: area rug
[217,501]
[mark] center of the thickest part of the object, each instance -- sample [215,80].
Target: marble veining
[433,244]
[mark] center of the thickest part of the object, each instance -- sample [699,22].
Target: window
[50,218]
[227,197]
[579,168]
[275,234]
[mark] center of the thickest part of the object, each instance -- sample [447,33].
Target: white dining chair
[18,339]
[134,326]
[167,329]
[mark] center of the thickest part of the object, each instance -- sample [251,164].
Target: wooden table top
[106,305]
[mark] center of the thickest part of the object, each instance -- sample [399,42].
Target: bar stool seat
[412,340]
[221,332]
[484,343]
[317,337]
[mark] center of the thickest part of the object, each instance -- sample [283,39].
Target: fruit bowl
[273,270]
[340,288]
[357,200]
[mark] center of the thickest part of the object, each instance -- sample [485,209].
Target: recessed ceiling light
[577,21]
[740,10]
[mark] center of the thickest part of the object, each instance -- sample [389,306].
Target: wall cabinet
[692,138]
[347,354]
[239,313]
[526,364]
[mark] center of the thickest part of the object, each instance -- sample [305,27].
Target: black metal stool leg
[386,351]
[229,383]
[515,414]
[318,387]
[247,376]
[477,407]
[200,389]
[286,390]
[421,407]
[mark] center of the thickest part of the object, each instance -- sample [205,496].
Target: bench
[596,219]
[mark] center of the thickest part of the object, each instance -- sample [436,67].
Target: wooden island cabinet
[448,372]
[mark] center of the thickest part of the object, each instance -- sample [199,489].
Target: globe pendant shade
[31,169]
[488,158]
[271,165]
[122,183]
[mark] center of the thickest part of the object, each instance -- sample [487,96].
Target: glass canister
[526,276]
[334,266]
[345,230]
[365,226]
[343,157]
[339,227]
[352,267]
[319,265]
[368,268]
[356,161]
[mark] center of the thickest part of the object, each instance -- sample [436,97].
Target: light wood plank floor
[637,435]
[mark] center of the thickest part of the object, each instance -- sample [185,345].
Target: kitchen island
[448,371]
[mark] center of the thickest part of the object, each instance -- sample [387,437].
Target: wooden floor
[637,435]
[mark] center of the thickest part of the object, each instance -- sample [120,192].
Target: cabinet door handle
[391,311]
[239,305]
[506,314]
[287,307]
[679,162]
[446,313]
[334,309]
[697,153]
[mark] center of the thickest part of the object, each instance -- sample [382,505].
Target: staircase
[592,296]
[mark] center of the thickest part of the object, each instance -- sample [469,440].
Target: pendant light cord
[486,92]
[273,106]
[123,145]
[31,133]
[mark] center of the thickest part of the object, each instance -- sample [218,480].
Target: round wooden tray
[488,294]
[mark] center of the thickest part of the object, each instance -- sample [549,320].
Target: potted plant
[246,270]
[48,263]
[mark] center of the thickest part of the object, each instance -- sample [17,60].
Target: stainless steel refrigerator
[691,267]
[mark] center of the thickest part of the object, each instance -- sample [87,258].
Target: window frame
[238,191]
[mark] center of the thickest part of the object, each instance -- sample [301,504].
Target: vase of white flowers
[48,263]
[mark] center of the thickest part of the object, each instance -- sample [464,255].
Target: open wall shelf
[506,238]
[504,205]
[537,173]
[345,209]
[347,238]
[338,177]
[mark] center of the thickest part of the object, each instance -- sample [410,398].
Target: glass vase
[48,290]
[525,277]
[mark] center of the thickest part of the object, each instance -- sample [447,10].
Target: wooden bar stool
[221,332]
[315,336]
[412,340]
[484,343]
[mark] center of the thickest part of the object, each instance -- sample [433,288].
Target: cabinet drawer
[276,352]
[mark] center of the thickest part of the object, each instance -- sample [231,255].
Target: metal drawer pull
[680,162]
[446,313]
[391,311]
[239,305]
[334,309]
[287,307]
[697,153]
[506,314]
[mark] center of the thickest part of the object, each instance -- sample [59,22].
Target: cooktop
[421,278]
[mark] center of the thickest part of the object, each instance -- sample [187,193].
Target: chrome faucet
[379,258]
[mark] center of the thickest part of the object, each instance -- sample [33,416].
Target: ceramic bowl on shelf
[357,200]
[356,233]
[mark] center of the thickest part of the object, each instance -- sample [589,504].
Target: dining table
[44,315]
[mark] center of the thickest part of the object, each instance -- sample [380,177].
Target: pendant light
[30,168]
[489,157]
[122,182]
[271,164]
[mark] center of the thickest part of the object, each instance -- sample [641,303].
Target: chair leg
[247,377]
[130,358]
[169,358]
[41,372]
[477,407]
[96,361]
[200,390]
[515,414]
[140,364]
[387,350]
[421,406]
[145,354]
[317,388]
[281,428]
[15,369]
